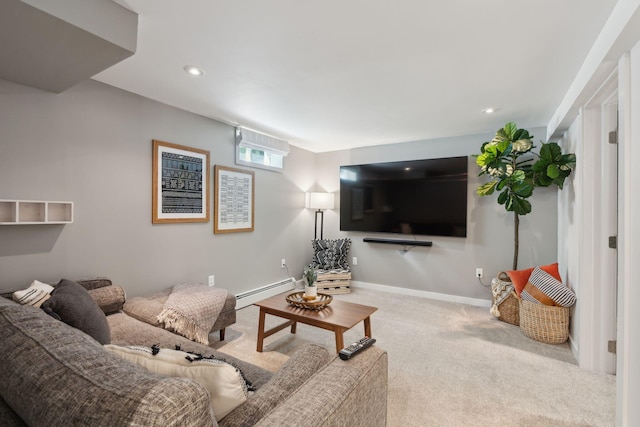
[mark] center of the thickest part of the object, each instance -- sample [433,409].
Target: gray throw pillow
[72,304]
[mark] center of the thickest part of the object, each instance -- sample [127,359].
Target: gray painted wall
[92,145]
[448,267]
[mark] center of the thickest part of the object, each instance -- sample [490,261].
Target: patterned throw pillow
[226,384]
[542,288]
[331,254]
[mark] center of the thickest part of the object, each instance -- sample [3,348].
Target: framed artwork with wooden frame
[180,183]
[233,202]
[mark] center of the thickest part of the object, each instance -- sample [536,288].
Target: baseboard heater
[244,299]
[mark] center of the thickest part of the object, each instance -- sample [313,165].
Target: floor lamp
[320,202]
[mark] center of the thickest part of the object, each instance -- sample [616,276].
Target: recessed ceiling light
[192,70]
[489,110]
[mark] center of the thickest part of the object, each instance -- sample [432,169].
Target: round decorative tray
[321,301]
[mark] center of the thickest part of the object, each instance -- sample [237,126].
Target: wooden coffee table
[339,316]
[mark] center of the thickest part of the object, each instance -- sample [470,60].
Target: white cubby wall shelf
[24,212]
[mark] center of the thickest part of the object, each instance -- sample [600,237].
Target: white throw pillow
[225,383]
[34,295]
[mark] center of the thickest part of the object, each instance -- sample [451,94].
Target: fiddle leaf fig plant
[516,170]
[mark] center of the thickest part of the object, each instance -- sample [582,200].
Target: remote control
[347,352]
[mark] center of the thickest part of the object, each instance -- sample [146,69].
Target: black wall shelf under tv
[398,241]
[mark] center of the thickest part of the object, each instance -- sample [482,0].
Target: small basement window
[259,150]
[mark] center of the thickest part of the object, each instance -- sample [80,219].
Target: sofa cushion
[225,383]
[72,304]
[8,417]
[543,288]
[301,366]
[56,375]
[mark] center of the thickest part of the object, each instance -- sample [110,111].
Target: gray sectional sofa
[56,375]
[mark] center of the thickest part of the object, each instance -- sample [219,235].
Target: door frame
[597,276]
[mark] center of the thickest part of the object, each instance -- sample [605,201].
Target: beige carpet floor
[452,365]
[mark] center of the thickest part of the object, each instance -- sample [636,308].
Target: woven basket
[509,307]
[544,323]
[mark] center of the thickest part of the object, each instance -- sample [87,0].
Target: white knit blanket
[192,309]
[500,290]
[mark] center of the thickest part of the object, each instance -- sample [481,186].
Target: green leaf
[486,189]
[523,189]
[567,161]
[518,176]
[500,136]
[559,181]
[542,180]
[522,134]
[540,166]
[502,198]
[553,171]
[485,159]
[504,147]
[522,145]
[510,130]
[518,205]
[550,152]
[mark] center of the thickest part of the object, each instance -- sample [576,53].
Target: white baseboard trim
[247,298]
[574,347]
[423,294]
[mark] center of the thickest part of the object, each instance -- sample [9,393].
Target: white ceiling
[336,74]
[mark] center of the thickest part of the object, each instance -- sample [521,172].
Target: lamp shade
[319,201]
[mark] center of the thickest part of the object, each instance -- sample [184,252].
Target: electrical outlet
[355,260]
[212,281]
[283,262]
[479,273]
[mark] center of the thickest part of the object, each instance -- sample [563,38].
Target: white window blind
[260,150]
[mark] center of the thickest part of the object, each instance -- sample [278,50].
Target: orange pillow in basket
[519,278]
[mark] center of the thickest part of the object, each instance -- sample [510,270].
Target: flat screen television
[418,197]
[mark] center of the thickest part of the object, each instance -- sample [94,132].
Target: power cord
[482,284]
[405,249]
[293,279]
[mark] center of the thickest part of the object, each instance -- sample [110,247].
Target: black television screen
[420,197]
